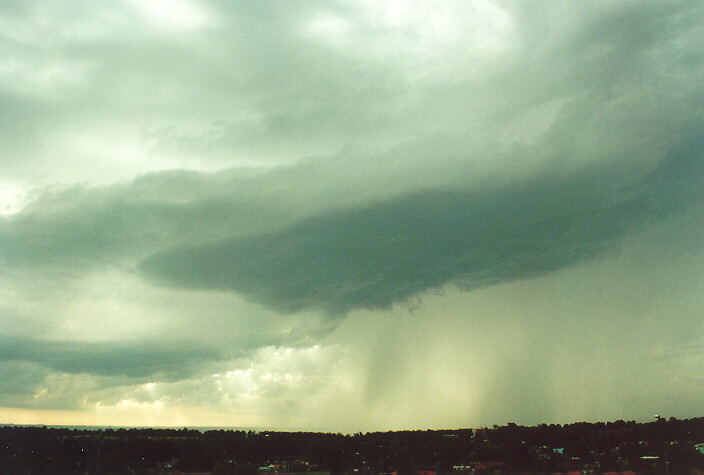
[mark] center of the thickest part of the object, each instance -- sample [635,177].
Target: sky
[351,216]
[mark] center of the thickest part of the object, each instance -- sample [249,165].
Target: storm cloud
[105,359]
[374,256]
[431,215]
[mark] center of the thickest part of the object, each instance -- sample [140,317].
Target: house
[699,448]
[271,468]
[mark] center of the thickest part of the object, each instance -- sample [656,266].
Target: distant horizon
[264,429]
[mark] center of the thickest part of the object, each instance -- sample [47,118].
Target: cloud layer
[259,214]
[374,256]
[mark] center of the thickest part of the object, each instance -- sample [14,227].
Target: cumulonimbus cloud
[374,256]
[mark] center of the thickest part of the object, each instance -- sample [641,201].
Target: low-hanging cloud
[108,359]
[374,256]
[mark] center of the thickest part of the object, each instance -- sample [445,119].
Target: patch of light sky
[423,27]
[39,77]
[12,198]
[178,16]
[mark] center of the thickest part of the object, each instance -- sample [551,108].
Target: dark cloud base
[374,256]
[108,359]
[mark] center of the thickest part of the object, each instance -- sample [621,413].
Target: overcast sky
[351,216]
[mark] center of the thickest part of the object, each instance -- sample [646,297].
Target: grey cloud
[80,228]
[255,88]
[278,236]
[245,89]
[386,252]
[109,359]
[20,377]
[30,385]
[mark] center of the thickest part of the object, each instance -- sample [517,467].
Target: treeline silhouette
[657,447]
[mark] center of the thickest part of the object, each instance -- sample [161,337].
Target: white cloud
[177,15]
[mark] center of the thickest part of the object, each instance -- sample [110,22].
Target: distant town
[664,446]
